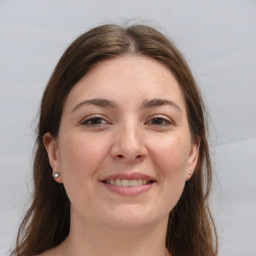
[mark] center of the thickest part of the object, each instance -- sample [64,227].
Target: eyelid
[94,116]
[168,120]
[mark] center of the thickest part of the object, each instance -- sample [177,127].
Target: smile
[128,183]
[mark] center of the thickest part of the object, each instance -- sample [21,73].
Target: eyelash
[94,121]
[97,121]
[157,119]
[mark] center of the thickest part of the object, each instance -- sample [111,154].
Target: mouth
[127,182]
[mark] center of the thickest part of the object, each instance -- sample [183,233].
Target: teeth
[118,182]
[133,183]
[127,183]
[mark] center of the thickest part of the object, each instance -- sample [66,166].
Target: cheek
[171,155]
[80,158]
[172,163]
[81,155]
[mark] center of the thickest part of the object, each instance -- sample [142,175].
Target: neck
[97,240]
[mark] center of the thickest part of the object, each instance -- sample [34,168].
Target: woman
[122,164]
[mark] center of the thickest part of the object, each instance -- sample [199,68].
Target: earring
[56,175]
[189,172]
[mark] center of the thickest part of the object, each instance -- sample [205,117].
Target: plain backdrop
[218,39]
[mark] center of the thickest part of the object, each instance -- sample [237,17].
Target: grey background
[218,38]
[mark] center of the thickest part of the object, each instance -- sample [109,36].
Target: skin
[129,136]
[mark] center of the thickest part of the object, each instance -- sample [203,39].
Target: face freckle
[134,127]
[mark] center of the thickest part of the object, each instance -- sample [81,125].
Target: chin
[131,217]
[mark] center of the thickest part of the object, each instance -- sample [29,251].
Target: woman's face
[124,148]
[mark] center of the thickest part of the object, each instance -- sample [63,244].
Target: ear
[51,146]
[193,157]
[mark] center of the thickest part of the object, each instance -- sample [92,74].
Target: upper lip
[128,176]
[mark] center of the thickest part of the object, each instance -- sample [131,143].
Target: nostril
[139,156]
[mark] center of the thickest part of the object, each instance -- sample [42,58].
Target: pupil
[157,121]
[95,121]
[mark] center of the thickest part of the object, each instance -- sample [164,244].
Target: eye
[94,121]
[159,121]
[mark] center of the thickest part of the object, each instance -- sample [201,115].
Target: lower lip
[128,191]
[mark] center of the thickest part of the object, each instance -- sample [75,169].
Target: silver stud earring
[189,172]
[56,175]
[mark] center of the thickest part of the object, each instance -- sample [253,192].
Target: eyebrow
[159,102]
[109,103]
[97,102]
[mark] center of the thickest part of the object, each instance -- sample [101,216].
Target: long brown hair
[191,230]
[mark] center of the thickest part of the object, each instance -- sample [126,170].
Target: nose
[129,144]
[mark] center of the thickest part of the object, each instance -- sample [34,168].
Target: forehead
[129,79]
